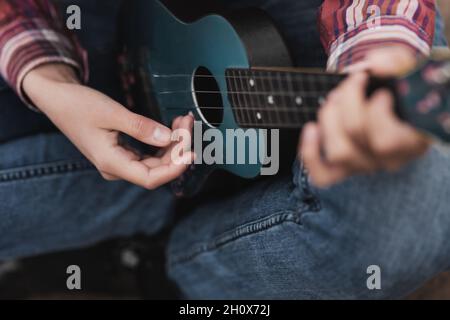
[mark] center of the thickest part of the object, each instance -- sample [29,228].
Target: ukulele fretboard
[263,98]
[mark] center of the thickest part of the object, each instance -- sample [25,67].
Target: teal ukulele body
[169,52]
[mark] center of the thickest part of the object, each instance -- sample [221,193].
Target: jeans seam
[309,196]
[42,170]
[242,231]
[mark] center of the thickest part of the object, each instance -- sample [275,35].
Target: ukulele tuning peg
[424,98]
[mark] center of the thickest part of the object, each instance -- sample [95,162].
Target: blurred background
[445,8]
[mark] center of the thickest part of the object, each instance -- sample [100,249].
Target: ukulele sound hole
[207,97]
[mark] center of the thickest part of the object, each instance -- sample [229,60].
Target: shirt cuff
[352,46]
[30,49]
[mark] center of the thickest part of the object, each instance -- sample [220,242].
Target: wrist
[56,72]
[39,84]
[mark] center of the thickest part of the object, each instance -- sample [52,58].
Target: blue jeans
[278,238]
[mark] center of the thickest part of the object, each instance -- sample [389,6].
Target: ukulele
[234,73]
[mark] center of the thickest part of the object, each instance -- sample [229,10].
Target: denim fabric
[51,198]
[279,238]
[269,243]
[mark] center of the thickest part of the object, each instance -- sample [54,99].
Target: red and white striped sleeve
[351,28]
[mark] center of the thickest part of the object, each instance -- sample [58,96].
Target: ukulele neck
[277,98]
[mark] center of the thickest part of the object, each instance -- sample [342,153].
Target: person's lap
[280,238]
[52,198]
[274,241]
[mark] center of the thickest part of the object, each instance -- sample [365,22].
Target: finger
[338,147]
[391,140]
[352,91]
[165,173]
[362,66]
[391,61]
[355,85]
[141,128]
[180,123]
[152,162]
[182,138]
[176,122]
[123,150]
[187,124]
[321,173]
[109,177]
[179,120]
[353,106]
[139,173]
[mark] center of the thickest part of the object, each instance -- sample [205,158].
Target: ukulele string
[304,112]
[304,109]
[309,94]
[273,125]
[304,115]
[291,76]
[329,81]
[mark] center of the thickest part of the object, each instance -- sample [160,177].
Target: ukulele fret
[295,101]
[232,96]
[272,99]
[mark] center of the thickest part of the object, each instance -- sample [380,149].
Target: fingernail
[175,135]
[162,134]
[191,114]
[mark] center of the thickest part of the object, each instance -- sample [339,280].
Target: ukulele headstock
[423,98]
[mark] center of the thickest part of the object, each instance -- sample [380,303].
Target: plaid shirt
[350,28]
[31,33]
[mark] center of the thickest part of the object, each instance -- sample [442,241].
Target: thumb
[142,128]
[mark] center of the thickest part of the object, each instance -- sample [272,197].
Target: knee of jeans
[287,263]
[319,258]
[354,260]
[379,260]
[378,237]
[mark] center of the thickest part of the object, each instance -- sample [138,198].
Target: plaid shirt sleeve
[351,28]
[32,34]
